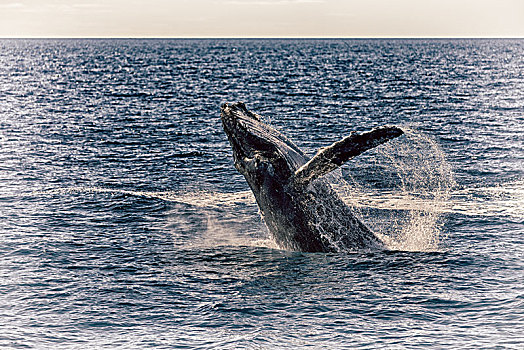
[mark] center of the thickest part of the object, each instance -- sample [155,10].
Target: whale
[297,202]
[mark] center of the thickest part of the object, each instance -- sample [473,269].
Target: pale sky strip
[261,18]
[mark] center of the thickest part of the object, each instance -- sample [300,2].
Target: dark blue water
[123,223]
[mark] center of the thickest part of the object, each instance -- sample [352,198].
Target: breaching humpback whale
[300,208]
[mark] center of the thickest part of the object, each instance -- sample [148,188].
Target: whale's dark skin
[299,207]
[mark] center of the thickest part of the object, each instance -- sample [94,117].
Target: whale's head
[258,149]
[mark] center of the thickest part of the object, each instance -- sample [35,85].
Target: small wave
[500,200]
[505,199]
[200,199]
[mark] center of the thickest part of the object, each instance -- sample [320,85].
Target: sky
[262,18]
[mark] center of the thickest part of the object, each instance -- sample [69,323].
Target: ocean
[124,224]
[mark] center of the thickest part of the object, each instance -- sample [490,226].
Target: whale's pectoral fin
[329,158]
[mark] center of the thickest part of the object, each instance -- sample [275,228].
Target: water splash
[220,232]
[412,181]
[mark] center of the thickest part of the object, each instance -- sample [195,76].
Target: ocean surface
[124,224]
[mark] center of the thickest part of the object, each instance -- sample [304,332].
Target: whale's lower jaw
[300,209]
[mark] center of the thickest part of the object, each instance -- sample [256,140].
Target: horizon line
[262,37]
